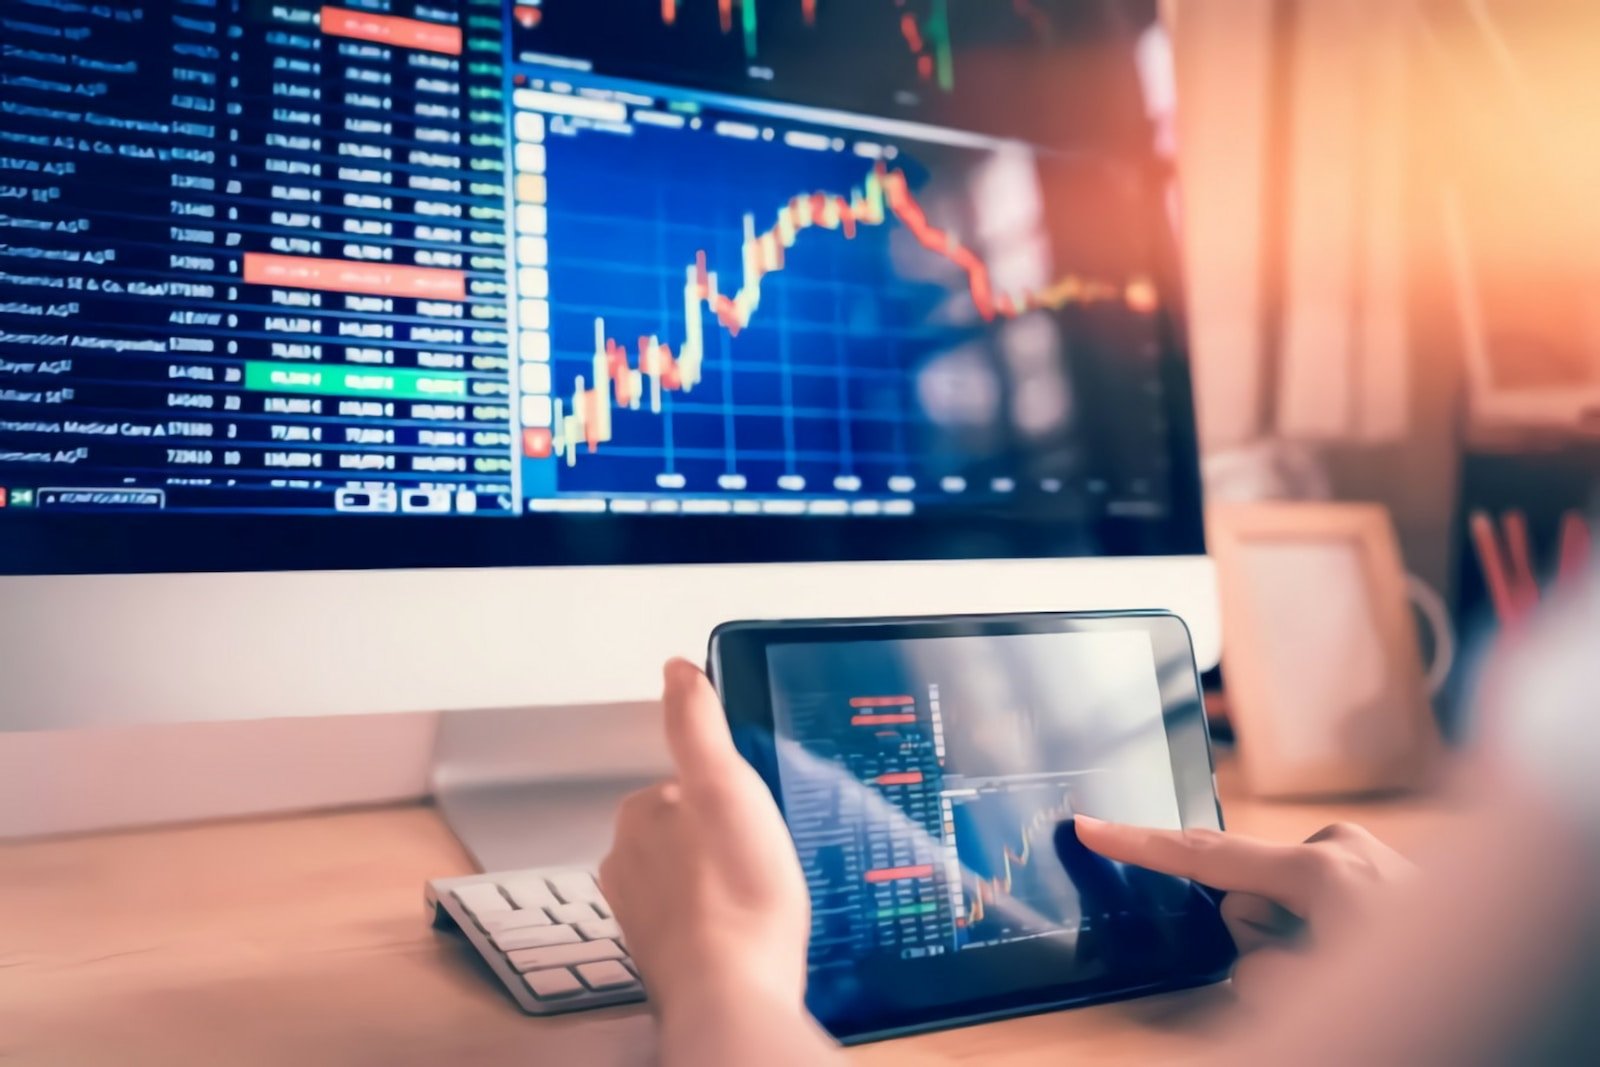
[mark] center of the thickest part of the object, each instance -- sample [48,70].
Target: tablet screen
[930,785]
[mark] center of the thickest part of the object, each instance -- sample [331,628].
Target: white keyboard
[548,934]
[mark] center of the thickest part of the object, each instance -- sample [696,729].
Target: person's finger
[644,826]
[1282,873]
[1255,922]
[639,810]
[609,875]
[697,730]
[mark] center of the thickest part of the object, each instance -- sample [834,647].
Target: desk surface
[305,939]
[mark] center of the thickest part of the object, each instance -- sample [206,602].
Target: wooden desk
[303,940]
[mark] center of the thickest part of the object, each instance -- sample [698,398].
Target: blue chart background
[627,215]
[985,824]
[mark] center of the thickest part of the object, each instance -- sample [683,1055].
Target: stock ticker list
[877,858]
[253,256]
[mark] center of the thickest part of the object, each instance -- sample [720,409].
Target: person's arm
[1449,966]
[1461,967]
[737,1026]
[706,885]
[1477,959]
[1489,957]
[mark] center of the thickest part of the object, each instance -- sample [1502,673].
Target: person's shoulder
[1549,697]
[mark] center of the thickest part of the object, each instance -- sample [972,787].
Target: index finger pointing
[697,731]
[1280,873]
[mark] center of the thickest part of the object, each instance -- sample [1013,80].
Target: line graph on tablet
[1013,881]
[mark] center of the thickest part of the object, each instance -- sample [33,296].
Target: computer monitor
[400,355]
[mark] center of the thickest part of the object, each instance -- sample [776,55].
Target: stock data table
[254,257]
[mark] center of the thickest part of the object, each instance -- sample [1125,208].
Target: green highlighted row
[353,381]
[907,910]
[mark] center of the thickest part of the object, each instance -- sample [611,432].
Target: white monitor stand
[540,786]
[573,653]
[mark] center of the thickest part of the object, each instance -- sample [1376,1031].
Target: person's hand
[703,875]
[1278,896]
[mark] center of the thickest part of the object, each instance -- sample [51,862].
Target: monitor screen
[463,282]
[981,747]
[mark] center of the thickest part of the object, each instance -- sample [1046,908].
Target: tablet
[929,770]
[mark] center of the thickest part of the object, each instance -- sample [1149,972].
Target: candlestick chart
[882,53]
[586,418]
[924,29]
[725,300]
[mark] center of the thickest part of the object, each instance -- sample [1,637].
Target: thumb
[1284,874]
[697,731]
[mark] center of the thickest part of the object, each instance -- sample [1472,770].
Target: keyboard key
[547,985]
[480,899]
[501,921]
[575,887]
[538,959]
[534,937]
[606,975]
[573,913]
[548,934]
[529,892]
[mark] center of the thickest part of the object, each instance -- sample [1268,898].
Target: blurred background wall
[1393,251]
